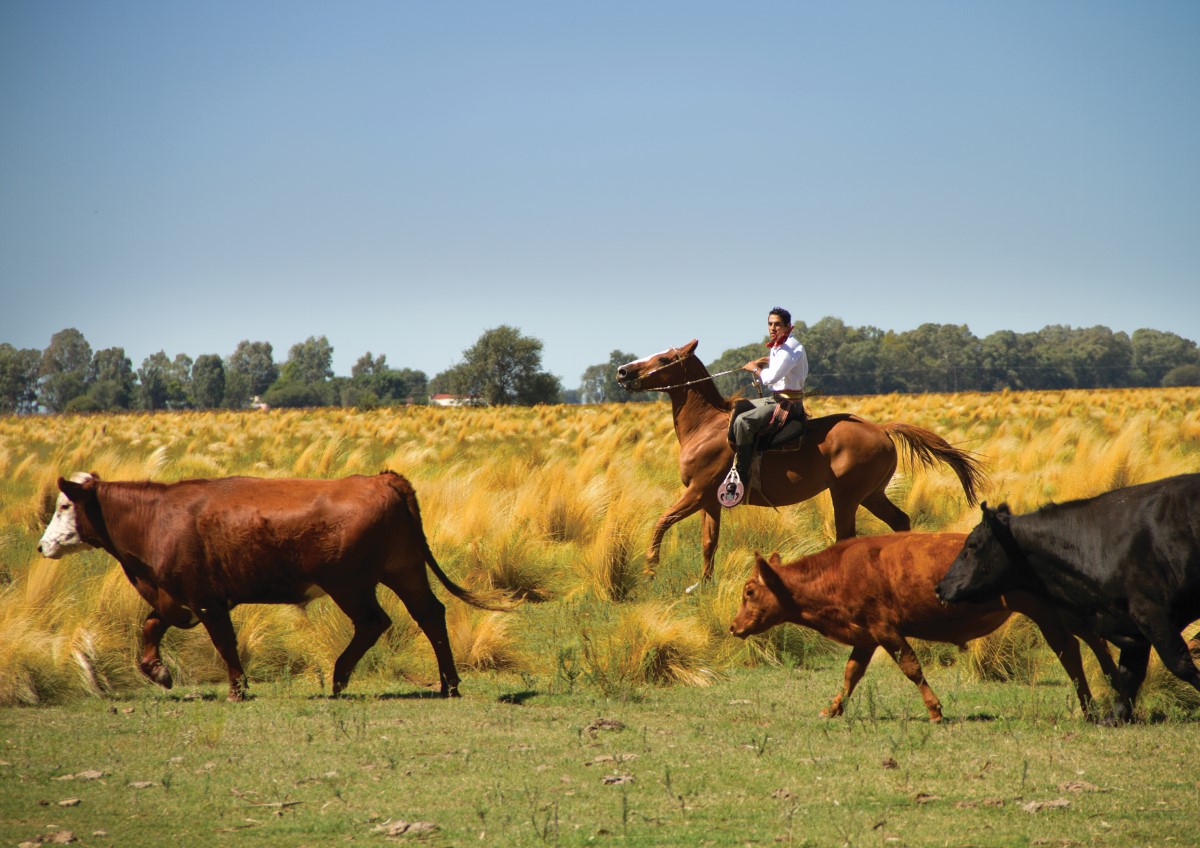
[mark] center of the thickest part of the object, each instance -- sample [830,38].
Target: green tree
[179,382]
[502,367]
[1182,375]
[111,379]
[255,362]
[599,382]
[900,366]
[856,369]
[1107,357]
[18,379]
[1156,353]
[842,359]
[372,381]
[733,360]
[305,378]
[152,381]
[208,381]
[64,369]
[309,362]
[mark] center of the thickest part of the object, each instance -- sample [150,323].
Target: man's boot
[737,481]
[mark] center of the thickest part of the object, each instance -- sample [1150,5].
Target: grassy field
[742,762]
[556,504]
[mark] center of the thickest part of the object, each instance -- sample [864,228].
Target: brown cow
[197,548]
[879,591]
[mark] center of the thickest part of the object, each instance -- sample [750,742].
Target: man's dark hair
[782,313]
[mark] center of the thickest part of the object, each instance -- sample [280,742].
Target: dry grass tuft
[651,645]
[482,641]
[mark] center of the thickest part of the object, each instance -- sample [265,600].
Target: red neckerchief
[782,341]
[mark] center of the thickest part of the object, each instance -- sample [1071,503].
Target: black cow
[1127,561]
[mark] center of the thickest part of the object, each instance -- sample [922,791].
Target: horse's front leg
[685,506]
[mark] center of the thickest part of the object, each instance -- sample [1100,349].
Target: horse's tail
[926,447]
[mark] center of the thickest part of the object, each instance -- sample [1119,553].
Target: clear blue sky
[401,176]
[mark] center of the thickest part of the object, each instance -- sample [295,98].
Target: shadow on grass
[419,695]
[184,697]
[517,698]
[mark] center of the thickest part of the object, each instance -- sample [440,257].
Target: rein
[694,382]
[678,359]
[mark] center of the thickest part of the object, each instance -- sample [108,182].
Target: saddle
[785,432]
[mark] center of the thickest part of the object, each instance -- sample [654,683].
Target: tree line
[505,367]
[846,360]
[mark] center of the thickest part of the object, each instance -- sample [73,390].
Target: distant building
[453,400]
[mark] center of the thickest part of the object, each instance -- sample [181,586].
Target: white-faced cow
[1127,561]
[197,548]
[878,591]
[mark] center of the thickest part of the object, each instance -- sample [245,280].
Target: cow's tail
[924,447]
[494,600]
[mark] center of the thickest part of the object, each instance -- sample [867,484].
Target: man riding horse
[782,371]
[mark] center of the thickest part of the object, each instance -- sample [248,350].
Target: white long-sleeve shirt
[787,367]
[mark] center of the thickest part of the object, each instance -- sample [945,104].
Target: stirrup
[732,490]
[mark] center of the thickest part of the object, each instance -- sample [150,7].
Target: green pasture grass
[525,761]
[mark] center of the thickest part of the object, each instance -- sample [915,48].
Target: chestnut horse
[851,457]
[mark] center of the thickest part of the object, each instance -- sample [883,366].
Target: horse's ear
[690,347]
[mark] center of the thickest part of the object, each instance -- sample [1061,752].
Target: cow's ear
[759,565]
[768,574]
[776,560]
[999,511]
[73,490]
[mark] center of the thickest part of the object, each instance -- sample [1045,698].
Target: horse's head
[656,371]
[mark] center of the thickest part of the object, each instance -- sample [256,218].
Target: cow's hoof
[158,672]
[830,712]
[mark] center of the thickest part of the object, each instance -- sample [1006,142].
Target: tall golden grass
[554,504]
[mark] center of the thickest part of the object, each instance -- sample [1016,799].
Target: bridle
[636,385]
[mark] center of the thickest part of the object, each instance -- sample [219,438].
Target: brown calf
[196,549]
[878,591]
